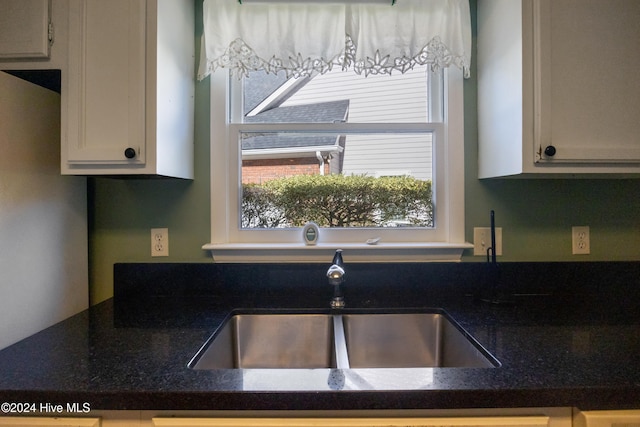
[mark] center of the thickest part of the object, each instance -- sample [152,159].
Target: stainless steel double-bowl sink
[341,340]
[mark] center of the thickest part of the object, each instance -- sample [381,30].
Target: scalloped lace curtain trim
[301,39]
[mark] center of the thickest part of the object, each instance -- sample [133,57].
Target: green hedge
[338,201]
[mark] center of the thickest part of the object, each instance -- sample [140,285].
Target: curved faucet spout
[337,258]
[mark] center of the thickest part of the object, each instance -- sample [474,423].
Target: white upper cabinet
[557,87]
[24,29]
[131,88]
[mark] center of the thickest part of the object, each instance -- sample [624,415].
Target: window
[341,139]
[354,174]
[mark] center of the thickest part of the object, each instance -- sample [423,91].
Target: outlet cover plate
[159,242]
[580,241]
[482,240]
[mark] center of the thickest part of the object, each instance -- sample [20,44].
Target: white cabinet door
[589,94]
[49,421]
[628,418]
[557,90]
[130,108]
[107,93]
[24,29]
[524,421]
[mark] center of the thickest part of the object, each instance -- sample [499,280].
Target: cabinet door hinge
[51,33]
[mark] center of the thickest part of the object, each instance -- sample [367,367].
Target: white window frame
[445,242]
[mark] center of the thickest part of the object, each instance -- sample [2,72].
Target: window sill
[354,252]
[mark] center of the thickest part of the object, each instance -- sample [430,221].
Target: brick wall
[259,171]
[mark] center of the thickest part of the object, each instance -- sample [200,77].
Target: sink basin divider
[340,343]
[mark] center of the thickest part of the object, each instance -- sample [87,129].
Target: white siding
[400,98]
[380,155]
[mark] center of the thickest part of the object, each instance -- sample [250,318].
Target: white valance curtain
[303,38]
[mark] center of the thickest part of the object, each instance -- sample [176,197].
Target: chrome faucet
[335,274]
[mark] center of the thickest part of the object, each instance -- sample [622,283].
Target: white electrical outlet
[580,242]
[159,242]
[482,240]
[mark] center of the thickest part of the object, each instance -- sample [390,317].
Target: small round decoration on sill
[310,233]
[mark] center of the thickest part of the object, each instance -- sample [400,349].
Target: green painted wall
[536,215]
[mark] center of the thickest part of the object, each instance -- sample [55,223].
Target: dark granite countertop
[569,337]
